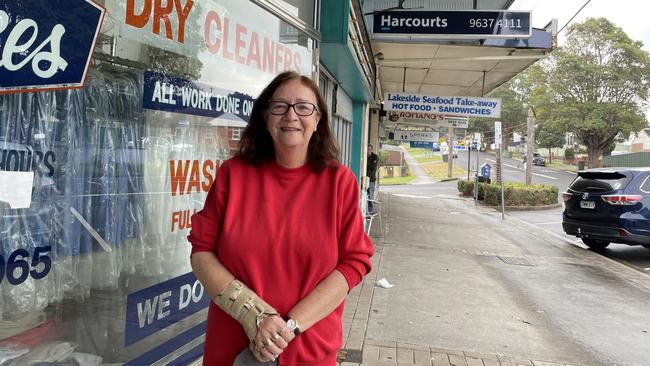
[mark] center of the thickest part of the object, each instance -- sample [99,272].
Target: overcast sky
[630,15]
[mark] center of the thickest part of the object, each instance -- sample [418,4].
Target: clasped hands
[272,337]
[268,332]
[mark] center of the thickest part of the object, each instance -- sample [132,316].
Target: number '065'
[17,267]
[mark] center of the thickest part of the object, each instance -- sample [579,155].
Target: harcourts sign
[459,106]
[46,44]
[454,24]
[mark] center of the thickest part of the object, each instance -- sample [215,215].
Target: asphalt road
[466,280]
[550,220]
[514,170]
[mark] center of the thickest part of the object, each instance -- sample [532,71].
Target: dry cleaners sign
[459,106]
[46,44]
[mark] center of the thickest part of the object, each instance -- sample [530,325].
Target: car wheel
[595,244]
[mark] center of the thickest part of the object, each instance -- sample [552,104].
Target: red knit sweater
[281,232]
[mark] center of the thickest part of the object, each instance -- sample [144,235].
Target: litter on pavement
[383,283]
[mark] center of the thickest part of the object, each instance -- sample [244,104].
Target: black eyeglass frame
[289,105]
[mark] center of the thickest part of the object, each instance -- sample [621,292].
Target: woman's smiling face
[291,131]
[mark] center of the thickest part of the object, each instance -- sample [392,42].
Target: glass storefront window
[96,267]
[301,9]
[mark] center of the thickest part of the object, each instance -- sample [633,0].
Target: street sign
[454,105]
[454,23]
[497,133]
[408,135]
[46,44]
[477,138]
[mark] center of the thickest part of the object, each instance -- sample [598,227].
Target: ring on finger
[268,342]
[276,336]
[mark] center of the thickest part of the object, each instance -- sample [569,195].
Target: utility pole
[450,151]
[498,141]
[469,155]
[530,145]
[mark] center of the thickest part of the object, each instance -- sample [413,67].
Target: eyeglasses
[303,109]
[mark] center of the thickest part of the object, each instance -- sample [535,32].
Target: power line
[574,15]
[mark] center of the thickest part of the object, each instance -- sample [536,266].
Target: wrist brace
[245,306]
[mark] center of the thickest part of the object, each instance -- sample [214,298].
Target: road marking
[518,168]
[409,195]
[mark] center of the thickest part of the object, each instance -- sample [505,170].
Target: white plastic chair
[370,216]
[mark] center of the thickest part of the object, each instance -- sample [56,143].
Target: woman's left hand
[272,337]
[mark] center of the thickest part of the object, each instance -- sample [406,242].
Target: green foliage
[466,188]
[513,113]
[516,194]
[383,157]
[397,180]
[609,148]
[549,136]
[595,86]
[569,153]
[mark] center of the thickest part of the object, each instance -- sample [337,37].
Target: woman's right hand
[273,336]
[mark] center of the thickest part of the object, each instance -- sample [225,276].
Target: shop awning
[445,69]
[456,65]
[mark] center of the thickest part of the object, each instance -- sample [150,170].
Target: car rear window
[599,182]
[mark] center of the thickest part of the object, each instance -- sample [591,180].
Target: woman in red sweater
[280,241]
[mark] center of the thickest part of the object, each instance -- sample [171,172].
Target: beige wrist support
[245,306]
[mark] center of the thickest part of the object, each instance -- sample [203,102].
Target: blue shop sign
[155,308]
[174,94]
[454,24]
[46,44]
[421,144]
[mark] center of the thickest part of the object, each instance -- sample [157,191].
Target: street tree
[595,86]
[513,113]
[549,136]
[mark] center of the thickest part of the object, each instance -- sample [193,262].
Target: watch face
[291,323]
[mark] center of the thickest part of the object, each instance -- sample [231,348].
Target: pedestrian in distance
[371,173]
[280,241]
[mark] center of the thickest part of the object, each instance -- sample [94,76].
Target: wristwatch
[293,325]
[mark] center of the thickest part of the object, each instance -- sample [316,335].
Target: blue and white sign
[46,44]
[454,24]
[421,144]
[173,94]
[459,106]
[159,306]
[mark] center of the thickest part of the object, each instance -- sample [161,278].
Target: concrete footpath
[360,350]
[472,290]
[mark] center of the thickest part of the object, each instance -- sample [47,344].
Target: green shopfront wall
[338,56]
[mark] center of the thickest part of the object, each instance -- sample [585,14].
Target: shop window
[119,167]
[342,130]
[302,9]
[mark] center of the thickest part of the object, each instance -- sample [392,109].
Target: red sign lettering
[192,176]
[237,43]
[155,11]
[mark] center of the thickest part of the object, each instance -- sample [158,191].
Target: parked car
[609,205]
[538,159]
[435,146]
